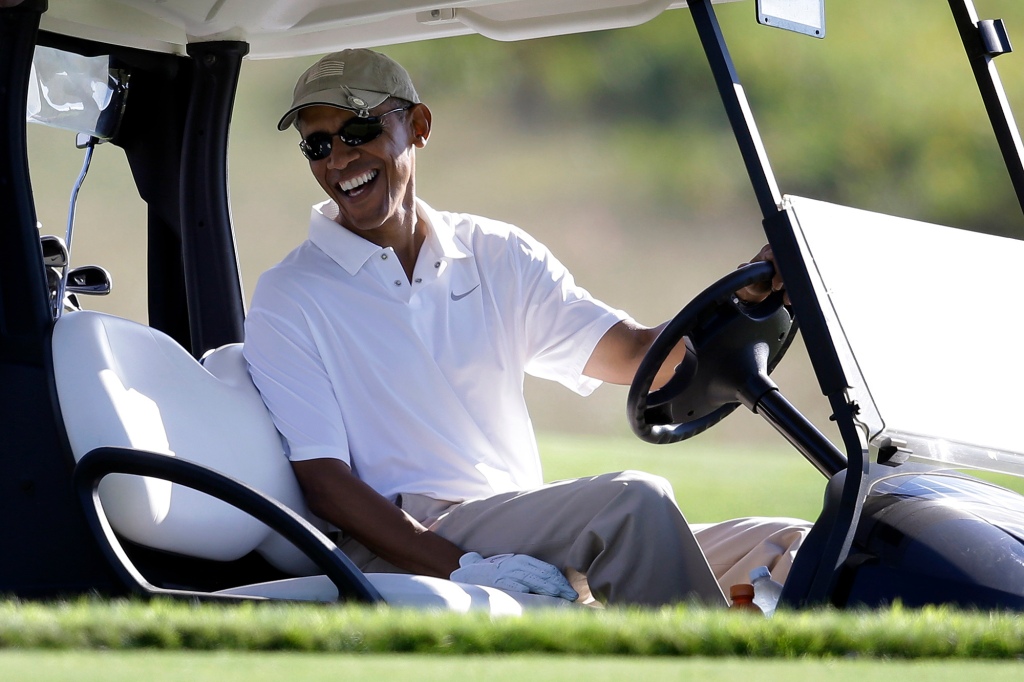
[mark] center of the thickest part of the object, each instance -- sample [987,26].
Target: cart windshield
[926,323]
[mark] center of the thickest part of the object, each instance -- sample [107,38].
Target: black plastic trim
[212,278]
[24,308]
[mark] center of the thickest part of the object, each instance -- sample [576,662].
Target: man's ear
[420,117]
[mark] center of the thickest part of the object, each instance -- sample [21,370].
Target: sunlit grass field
[242,667]
[713,481]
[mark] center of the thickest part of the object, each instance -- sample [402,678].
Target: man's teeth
[358,181]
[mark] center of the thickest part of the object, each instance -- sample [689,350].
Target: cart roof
[283,28]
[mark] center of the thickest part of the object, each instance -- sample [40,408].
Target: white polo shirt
[419,386]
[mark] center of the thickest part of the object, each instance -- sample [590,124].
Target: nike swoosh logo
[459,297]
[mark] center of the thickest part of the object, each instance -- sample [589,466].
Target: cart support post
[769,198]
[984,41]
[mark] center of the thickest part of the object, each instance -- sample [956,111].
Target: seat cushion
[123,384]
[409,591]
[228,364]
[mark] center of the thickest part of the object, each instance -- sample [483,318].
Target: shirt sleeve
[562,322]
[287,369]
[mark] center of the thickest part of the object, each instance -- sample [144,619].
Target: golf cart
[140,459]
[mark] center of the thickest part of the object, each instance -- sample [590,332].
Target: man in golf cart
[390,348]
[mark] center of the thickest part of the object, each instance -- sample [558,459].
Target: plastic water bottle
[766,590]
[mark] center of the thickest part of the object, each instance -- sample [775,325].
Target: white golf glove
[514,573]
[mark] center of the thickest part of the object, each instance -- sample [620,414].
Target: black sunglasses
[353,132]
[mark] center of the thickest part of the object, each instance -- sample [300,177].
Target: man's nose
[341,154]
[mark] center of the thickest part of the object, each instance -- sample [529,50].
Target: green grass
[894,633]
[112,641]
[235,667]
[712,482]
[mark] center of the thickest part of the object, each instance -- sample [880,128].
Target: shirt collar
[351,251]
[441,233]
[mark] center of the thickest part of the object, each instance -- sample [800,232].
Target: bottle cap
[741,590]
[760,572]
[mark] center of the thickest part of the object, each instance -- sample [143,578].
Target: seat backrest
[122,384]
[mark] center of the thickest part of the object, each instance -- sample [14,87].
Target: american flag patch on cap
[324,69]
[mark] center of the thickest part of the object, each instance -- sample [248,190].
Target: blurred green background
[613,149]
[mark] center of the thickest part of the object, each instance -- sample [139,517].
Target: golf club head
[89,280]
[55,252]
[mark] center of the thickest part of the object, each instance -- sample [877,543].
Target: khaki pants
[620,538]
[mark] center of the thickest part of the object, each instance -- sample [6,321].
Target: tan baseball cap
[357,80]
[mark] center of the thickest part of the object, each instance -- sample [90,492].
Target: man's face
[373,183]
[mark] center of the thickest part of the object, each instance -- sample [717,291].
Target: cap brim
[332,98]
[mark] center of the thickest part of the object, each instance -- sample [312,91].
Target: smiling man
[391,346]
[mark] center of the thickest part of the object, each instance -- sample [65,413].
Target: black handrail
[96,464]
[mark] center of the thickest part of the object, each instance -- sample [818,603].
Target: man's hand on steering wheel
[733,347]
[755,293]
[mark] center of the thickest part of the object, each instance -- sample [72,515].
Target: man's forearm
[619,352]
[336,495]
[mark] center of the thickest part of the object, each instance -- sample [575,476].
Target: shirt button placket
[390,268]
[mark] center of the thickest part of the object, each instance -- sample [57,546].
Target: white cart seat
[122,384]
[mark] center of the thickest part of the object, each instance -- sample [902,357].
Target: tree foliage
[883,114]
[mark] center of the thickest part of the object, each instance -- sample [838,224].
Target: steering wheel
[732,347]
